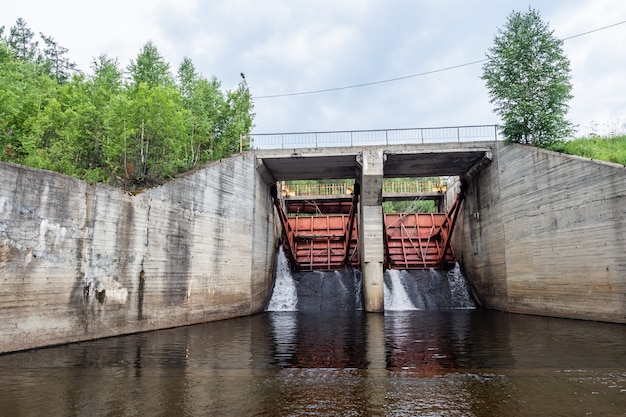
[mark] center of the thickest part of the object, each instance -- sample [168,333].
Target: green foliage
[234,122]
[204,104]
[21,40]
[410,185]
[107,79]
[528,78]
[410,206]
[150,68]
[54,60]
[102,128]
[612,149]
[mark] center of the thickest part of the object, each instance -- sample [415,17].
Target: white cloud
[294,46]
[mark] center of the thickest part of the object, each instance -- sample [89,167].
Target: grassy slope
[611,149]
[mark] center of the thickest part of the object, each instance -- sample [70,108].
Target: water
[315,290]
[395,294]
[285,296]
[349,363]
[341,290]
[317,353]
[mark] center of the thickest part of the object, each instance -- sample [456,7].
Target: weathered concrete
[371,229]
[545,233]
[80,261]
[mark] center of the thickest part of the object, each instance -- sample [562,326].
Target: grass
[611,149]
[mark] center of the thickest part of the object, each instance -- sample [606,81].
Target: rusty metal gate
[326,241]
[320,241]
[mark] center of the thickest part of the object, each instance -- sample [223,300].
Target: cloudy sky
[298,46]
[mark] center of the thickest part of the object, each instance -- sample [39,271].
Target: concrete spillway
[368,166]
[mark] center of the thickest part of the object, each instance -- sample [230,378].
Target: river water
[309,359]
[405,363]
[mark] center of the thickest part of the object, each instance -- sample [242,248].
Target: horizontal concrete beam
[431,195]
[445,159]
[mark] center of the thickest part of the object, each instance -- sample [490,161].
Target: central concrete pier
[370,164]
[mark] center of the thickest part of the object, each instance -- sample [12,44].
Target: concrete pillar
[371,228]
[375,342]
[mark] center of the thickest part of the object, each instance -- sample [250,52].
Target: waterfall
[460,289]
[427,290]
[395,294]
[314,290]
[341,290]
[285,295]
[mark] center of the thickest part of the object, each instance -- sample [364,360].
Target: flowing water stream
[341,290]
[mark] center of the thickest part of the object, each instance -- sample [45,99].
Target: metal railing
[290,189]
[413,186]
[421,135]
[390,186]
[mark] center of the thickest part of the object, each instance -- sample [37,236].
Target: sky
[289,47]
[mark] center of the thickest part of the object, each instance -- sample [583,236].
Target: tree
[203,102]
[145,131]
[235,121]
[54,60]
[25,93]
[21,41]
[12,101]
[107,75]
[150,68]
[103,89]
[118,131]
[80,128]
[528,78]
[187,78]
[134,133]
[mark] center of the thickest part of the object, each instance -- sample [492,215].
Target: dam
[537,232]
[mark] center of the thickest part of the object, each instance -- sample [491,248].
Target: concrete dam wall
[544,233]
[538,233]
[81,261]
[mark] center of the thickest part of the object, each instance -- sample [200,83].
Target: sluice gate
[323,235]
[327,240]
[420,240]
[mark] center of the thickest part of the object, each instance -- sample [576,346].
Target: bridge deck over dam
[418,160]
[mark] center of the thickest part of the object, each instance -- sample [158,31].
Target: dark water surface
[412,363]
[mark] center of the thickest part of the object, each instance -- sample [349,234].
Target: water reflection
[322,341]
[426,342]
[454,362]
